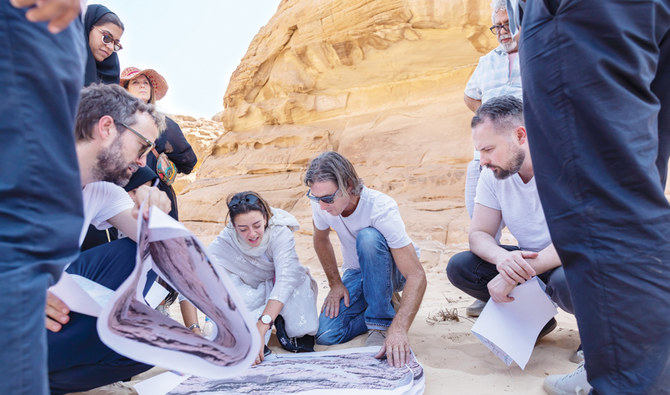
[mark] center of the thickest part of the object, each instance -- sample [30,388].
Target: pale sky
[195,45]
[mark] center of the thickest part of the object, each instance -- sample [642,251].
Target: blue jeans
[78,359]
[471,274]
[370,290]
[41,215]
[596,80]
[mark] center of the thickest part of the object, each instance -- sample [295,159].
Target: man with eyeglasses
[114,131]
[379,259]
[497,74]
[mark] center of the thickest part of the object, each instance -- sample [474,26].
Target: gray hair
[331,166]
[98,100]
[505,112]
[497,5]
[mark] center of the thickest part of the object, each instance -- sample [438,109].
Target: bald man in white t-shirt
[506,192]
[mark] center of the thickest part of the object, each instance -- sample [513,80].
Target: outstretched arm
[324,250]
[396,346]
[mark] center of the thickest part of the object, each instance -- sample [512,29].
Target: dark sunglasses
[149,144]
[107,38]
[329,199]
[244,199]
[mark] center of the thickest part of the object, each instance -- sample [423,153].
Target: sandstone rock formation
[380,81]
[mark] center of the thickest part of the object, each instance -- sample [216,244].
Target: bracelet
[194,326]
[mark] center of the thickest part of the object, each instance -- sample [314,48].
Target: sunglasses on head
[107,38]
[329,199]
[244,199]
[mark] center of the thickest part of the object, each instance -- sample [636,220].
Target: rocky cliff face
[379,81]
[321,59]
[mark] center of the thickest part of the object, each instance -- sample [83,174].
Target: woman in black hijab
[103,30]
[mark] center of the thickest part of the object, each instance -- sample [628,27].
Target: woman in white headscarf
[257,251]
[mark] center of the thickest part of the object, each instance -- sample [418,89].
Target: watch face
[266,319]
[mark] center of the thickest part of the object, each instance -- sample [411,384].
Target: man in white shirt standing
[379,259]
[507,192]
[497,74]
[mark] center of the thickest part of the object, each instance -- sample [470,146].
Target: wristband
[194,326]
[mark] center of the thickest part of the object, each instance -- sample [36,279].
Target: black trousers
[596,81]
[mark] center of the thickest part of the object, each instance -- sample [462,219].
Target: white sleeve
[318,216]
[486,193]
[473,88]
[386,219]
[104,200]
[289,274]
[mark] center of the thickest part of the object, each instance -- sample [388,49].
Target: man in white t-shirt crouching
[114,132]
[506,192]
[379,259]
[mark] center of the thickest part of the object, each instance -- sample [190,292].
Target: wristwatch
[266,319]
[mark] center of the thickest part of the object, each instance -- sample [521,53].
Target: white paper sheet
[510,330]
[156,295]
[131,328]
[81,294]
[160,384]
[348,371]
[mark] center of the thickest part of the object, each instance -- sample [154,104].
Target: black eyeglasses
[495,29]
[107,38]
[244,199]
[326,199]
[149,144]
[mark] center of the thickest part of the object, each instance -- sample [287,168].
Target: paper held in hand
[129,326]
[510,330]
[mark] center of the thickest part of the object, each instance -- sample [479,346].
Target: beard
[510,46]
[110,167]
[512,166]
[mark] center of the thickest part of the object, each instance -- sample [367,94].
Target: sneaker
[574,383]
[475,309]
[550,326]
[376,337]
[578,356]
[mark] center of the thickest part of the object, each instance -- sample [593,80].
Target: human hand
[331,305]
[59,13]
[152,196]
[499,289]
[56,313]
[262,330]
[513,266]
[396,347]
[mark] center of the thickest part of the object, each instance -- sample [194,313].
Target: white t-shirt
[102,201]
[375,209]
[520,206]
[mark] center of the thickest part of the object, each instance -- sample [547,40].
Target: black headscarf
[109,69]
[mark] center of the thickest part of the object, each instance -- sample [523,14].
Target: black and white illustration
[352,371]
[132,328]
